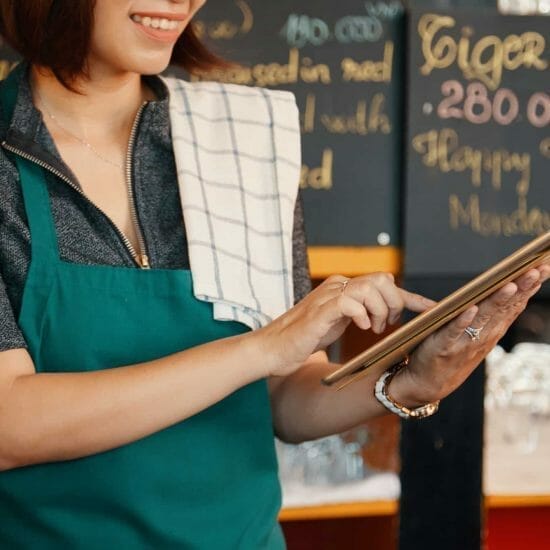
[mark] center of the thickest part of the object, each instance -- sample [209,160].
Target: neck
[107,106]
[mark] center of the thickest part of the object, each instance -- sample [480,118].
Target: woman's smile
[161,27]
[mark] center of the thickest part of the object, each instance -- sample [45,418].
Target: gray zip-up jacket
[84,233]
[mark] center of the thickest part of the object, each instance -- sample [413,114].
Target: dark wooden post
[441,474]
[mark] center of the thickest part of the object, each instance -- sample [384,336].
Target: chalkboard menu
[478,143]
[342,61]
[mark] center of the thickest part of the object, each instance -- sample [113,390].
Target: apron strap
[44,243]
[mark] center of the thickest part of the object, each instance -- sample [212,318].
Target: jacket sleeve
[11,336]
[11,256]
[300,271]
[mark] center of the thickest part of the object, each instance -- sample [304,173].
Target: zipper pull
[144,260]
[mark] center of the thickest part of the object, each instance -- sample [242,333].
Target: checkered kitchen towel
[237,152]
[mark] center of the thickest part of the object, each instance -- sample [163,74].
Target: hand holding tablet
[397,345]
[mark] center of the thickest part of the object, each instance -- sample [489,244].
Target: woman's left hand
[447,357]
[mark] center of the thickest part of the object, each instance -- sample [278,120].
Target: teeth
[155,22]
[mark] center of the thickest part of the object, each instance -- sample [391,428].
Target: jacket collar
[27,131]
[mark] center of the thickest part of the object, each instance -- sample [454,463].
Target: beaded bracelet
[381,393]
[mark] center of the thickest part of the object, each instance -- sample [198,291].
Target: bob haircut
[56,34]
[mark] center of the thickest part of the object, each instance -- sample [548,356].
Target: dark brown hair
[56,34]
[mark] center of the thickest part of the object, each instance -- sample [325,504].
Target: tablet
[398,344]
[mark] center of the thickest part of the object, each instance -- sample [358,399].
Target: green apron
[209,482]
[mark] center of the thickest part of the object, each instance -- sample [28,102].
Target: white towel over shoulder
[238,157]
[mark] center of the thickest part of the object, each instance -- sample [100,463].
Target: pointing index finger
[416,302]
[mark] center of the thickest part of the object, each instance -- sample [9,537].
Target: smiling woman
[134,441]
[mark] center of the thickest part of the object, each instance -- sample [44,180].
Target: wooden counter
[513,522]
[334,511]
[390,507]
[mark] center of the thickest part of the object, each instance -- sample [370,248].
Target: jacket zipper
[140,259]
[143,256]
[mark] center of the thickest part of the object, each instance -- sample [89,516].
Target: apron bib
[209,482]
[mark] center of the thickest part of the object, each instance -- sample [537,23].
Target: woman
[130,416]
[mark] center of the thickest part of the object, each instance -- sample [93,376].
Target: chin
[153,65]
[151,69]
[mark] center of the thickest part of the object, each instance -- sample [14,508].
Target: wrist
[382,394]
[269,359]
[404,389]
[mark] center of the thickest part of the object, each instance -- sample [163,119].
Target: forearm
[304,409]
[58,416]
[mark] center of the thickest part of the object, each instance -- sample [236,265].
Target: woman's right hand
[370,301]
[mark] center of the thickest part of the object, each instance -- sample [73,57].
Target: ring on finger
[344,285]
[473,333]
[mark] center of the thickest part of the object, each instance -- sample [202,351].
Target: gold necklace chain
[87,144]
